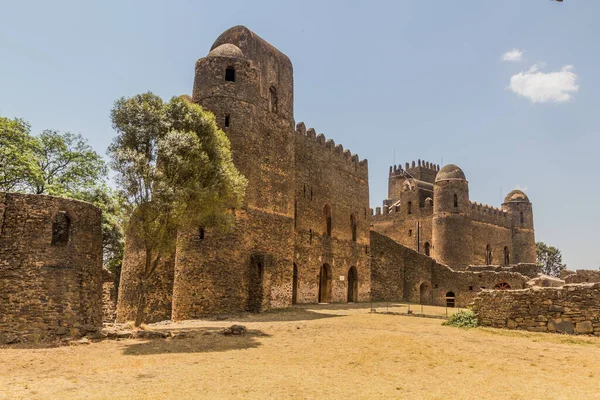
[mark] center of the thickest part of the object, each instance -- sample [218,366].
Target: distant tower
[520,212]
[451,231]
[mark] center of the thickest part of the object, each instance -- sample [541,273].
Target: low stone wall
[581,276]
[568,309]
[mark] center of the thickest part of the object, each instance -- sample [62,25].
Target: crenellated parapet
[397,170]
[359,167]
[489,214]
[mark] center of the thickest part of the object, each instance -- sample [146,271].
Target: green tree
[549,258]
[67,163]
[175,171]
[18,155]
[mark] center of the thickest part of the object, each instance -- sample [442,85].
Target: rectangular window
[227,121]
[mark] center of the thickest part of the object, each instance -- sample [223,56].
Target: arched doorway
[488,255]
[450,299]
[295,285]
[255,287]
[424,293]
[325,284]
[352,285]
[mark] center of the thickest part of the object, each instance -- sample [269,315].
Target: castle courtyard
[313,351]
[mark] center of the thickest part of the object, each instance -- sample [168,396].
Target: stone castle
[305,234]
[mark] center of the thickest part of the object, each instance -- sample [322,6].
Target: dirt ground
[317,351]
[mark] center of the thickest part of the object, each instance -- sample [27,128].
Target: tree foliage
[549,258]
[174,170]
[65,165]
[18,155]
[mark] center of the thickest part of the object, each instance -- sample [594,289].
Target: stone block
[584,327]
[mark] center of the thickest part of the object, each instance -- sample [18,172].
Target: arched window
[353,226]
[273,100]
[455,200]
[506,255]
[61,227]
[502,286]
[410,207]
[488,255]
[427,249]
[230,74]
[327,216]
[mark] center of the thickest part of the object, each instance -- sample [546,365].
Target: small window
[436,286]
[311,193]
[304,194]
[410,233]
[60,229]
[506,255]
[273,100]
[227,121]
[200,233]
[522,218]
[455,200]
[295,213]
[471,288]
[427,249]
[230,74]
[310,235]
[366,249]
[410,207]
[327,216]
[353,226]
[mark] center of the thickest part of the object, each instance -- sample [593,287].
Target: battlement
[489,214]
[360,166]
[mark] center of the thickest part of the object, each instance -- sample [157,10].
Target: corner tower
[520,212]
[451,228]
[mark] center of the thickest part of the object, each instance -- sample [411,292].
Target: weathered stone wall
[571,308]
[327,176]
[400,273]
[50,267]
[581,276]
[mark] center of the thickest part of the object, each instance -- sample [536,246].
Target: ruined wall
[329,176]
[581,276]
[567,309]
[50,267]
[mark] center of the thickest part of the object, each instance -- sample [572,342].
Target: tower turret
[451,230]
[520,212]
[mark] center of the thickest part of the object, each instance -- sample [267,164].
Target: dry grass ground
[326,351]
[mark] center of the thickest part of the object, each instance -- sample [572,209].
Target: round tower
[451,230]
[520,212]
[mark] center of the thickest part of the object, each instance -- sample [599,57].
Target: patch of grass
[462,319]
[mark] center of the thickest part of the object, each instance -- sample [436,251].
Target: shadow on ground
[197,340]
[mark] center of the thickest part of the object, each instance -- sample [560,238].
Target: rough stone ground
[325,351]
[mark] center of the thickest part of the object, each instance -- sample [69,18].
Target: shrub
[462,319]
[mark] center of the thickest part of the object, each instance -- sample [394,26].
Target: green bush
[462,319]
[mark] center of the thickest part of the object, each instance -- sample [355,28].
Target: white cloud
[544,87]
[513,55]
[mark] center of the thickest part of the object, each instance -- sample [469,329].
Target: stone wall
[401,274]
[571,308]
[50,267]
[109,297]
[581,276]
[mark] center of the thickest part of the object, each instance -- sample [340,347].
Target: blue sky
[419,79]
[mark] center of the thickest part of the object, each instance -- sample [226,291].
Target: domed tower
[520,212]
[451,230]
[248,85]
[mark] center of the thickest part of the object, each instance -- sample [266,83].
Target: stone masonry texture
[50,267]
[572,308]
